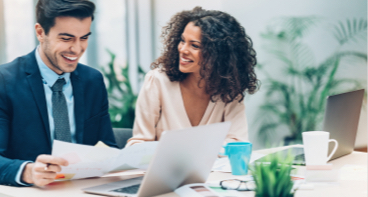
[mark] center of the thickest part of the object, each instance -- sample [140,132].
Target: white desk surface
[73,188]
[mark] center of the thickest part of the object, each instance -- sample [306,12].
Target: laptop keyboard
[299,160]
[128,190]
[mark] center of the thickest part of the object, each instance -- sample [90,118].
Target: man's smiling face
[65,43]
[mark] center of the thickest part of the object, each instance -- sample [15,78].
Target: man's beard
[53,61]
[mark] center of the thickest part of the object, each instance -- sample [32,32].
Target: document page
[91,161]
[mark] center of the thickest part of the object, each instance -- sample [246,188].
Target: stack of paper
[91,161]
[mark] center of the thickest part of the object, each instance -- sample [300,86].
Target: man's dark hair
[48,10]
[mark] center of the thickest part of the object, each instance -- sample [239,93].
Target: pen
[60,176]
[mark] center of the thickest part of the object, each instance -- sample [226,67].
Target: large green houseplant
[122,99]
[296,98]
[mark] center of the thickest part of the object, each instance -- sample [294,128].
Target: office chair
[122,135]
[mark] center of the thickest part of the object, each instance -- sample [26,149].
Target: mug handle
[334,150]
[223,154]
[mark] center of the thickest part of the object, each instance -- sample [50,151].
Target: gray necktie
[60,112]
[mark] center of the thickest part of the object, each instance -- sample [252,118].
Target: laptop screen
[341,120]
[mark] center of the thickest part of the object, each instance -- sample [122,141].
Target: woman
[206,66]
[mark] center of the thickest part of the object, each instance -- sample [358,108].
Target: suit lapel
[34,80]
[78,94]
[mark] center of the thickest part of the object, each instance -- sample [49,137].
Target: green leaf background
[296,99]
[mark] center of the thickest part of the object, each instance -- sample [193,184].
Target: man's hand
[44,170]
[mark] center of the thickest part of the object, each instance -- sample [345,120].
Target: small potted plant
[272,176]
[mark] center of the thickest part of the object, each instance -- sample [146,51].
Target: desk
[73,188]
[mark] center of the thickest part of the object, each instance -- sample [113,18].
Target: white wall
[146,32]
[19,28]
[165,9]
[2,35]
[110,31]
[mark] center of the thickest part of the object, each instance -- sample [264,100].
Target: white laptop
[182,157]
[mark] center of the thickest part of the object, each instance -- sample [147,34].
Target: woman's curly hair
[228,58]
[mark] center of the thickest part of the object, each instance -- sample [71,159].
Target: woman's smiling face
[190,49]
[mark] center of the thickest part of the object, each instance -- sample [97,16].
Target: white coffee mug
[316,147]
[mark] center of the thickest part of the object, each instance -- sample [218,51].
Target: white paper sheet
[90,161]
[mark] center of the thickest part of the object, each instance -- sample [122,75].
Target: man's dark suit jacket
[24,124]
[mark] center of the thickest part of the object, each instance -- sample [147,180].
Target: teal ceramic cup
[239,156]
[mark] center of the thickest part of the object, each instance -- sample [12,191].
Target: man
[48,95]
